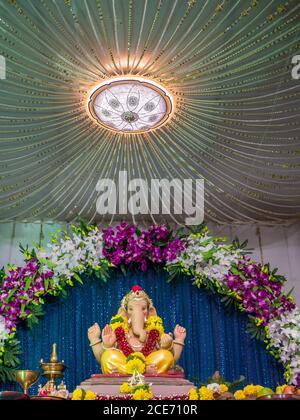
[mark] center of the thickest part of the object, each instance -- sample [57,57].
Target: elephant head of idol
[137,307]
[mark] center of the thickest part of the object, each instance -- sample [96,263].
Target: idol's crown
[136,293]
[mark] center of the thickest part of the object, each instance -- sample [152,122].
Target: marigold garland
[155,323]
[119,321]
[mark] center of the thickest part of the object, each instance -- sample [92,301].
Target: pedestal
[162,385]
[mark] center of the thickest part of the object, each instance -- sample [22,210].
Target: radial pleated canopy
[227,64]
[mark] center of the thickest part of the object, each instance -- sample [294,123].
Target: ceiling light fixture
[130,105]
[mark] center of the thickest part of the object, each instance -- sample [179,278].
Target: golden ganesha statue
[134,337]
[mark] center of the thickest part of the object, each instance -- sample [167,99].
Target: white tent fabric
[278,245]
[228,66]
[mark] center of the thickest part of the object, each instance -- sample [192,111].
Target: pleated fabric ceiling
[227,65]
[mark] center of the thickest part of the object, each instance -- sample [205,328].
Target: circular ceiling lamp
[130,105]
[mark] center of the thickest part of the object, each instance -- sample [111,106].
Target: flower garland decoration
[125,388]
[128,245]
[119,321]
[205,257]
[142,392]
[136,362]
[260,293]
[124,346]
[81,395]
[155,323]
[137,392]
[220,391]
[209,392]
[221,268]
[252,392]
[284,336]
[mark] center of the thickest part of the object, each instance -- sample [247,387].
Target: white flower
[284,334]
[195,254]
[214,387]
[73,255]
[4,334]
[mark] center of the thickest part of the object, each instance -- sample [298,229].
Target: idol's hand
[180,333]
[108,336]
[94,333]
[166,341]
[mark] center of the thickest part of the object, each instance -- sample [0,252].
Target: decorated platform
[162,385]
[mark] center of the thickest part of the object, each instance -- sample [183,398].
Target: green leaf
[23,306]
[2,275]
[77,277]
[35,313]
[208,255]
[47,262]
[12,292]
[290,292]
[10,360]
[235,271]
[173,271]
[28,282]
[123,269]
[268,288]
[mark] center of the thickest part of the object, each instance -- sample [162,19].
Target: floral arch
[221,268]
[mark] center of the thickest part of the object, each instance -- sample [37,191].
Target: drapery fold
[216,340]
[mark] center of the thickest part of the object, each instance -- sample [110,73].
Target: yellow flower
[258,322]
[249,390]
[206,394]
[135,365]
[125,388]
[89,395]
[77,394]
[193,394]
[155,323]
[142,394]
[252,389]
[119,321]
[223,388]
[239,395]
[280,389]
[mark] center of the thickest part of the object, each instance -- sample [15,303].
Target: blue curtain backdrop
[217,340]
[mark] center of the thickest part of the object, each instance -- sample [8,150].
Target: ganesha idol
[136,335]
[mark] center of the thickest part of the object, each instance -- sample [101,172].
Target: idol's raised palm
[108,336]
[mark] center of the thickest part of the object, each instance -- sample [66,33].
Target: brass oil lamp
[53,369]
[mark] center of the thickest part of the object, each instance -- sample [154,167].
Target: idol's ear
[122,313]
[152,311]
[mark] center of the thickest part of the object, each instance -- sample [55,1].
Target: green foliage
[82,228]
[230,301]
[28,254]
[175,271]
[36,312]
[241,247]
[273,276]
[256,331]
[9,360]
[198,229]
[2,275]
